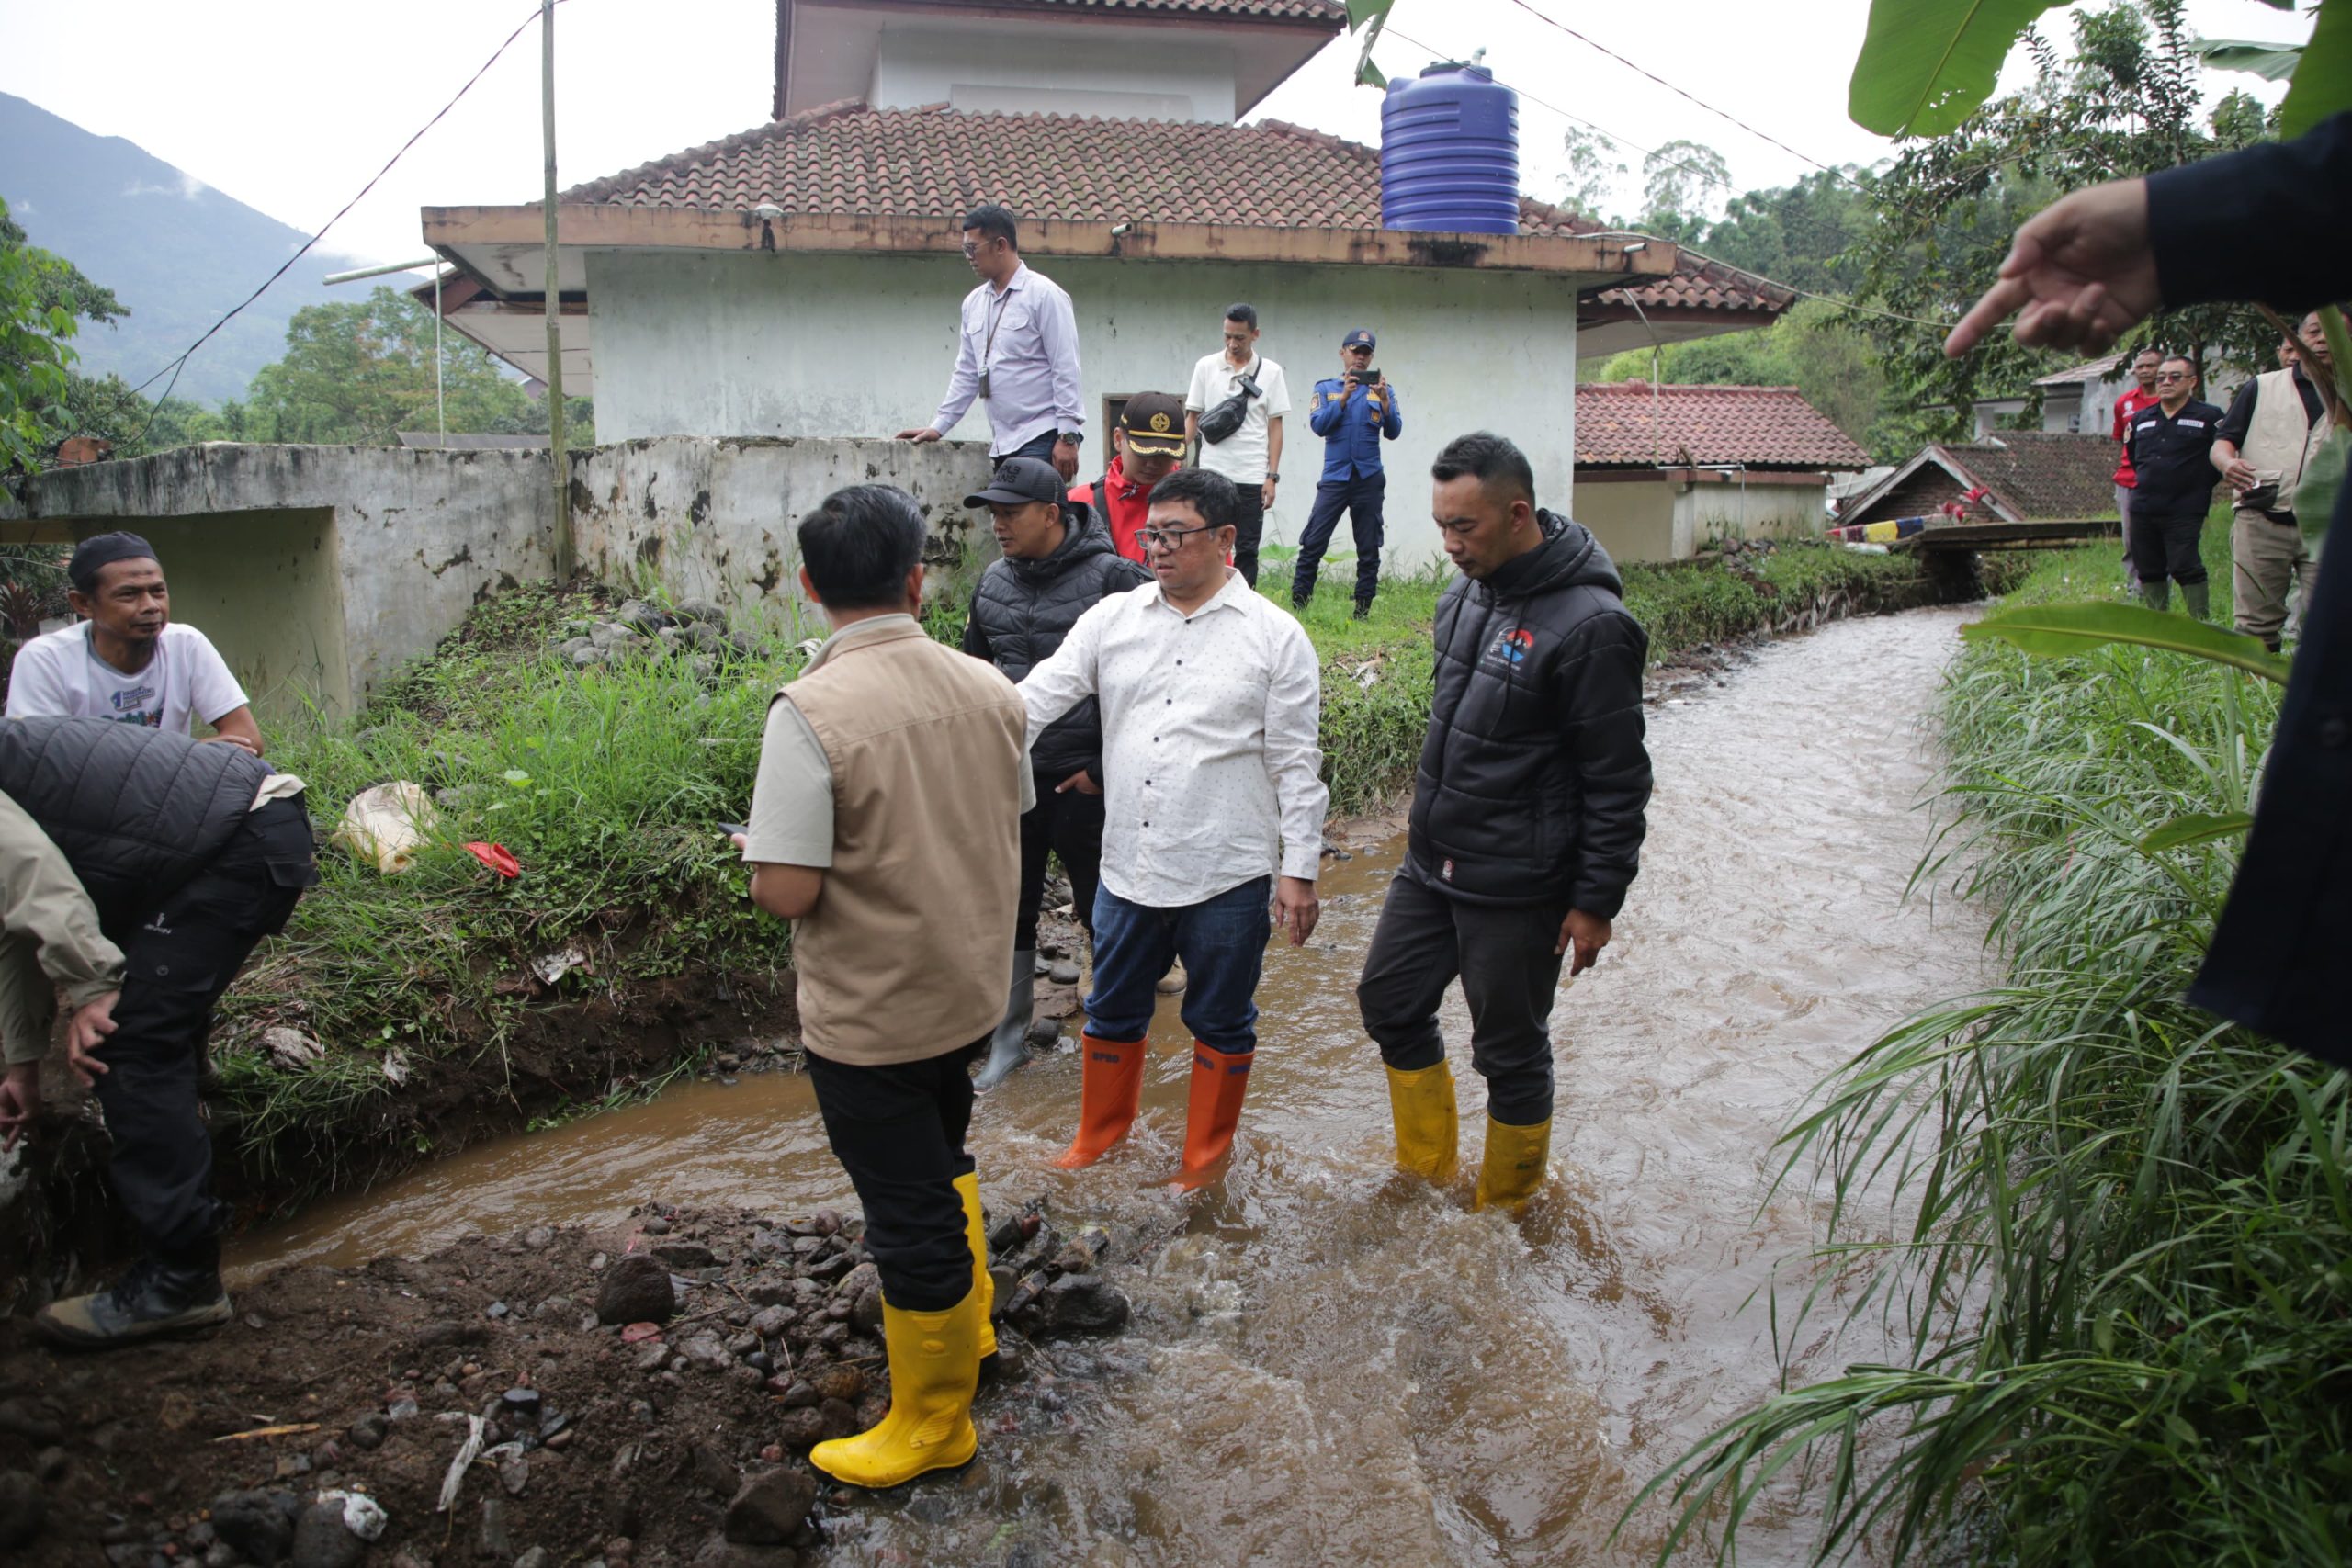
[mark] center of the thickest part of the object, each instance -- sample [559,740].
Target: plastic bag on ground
[388,825]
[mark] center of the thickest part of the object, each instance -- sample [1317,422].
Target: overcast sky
[290,107]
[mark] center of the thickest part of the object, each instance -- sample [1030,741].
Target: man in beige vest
[2263,447]
[885,825]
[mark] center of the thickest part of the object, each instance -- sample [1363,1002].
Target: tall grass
[2124,1283]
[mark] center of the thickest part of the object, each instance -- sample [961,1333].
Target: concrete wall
[319,571]
[1634,520]
[1007,72]
[714,519]
[795,344]
[1773,507]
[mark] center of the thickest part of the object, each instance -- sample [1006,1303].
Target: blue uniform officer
[1354,412]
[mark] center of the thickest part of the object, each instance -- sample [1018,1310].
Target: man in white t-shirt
[126,661]
[1252,456]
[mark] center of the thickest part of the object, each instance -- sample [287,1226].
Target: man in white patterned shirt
[1210,698]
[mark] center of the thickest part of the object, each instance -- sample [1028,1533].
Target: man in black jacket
[2171,442]
[1059,562]
[2081,273]
[189,854]
[1527,817]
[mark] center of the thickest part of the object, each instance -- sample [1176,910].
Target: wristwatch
[1072,436]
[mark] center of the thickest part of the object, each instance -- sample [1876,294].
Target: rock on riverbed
[643,1396]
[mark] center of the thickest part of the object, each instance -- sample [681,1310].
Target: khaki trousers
[2270,557]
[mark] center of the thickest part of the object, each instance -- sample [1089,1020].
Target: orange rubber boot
[1219,1081]
[1110,1088]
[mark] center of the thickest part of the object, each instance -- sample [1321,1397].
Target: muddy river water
[1332,1364]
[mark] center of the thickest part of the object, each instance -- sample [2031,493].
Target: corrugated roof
[849,159]
[1633,423]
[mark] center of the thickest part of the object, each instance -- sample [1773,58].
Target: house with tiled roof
[1661,470]
[801,278]
[2020,476]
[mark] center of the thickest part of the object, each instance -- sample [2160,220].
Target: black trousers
[2167,546]
[1364,499]
[178,956]
[1248,531]
[1070,825]
[1510,975]
[899,1132]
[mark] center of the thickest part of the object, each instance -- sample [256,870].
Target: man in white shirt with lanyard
[1250,455]
[1017,353]
[1210,696]
[126,660]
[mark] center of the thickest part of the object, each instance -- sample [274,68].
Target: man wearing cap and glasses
[1017,353]
[1209,699]
[1150,438]
[1057,564]
[1354,411]
[126,660]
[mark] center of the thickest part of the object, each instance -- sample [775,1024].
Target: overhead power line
[175,365]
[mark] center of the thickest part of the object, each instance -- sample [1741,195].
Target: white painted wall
[1709,511]
[1014,71]
[795,344]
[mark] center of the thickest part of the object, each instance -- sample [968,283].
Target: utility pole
[557,458]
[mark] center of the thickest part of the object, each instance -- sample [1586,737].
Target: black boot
[156,1296]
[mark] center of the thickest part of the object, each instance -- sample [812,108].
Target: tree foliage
[1589,188]
[43,302]
[1683,182]
[363,372]
[2124,102]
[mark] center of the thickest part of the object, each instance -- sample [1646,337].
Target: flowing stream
[1333,1363]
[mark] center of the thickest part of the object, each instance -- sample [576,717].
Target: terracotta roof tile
[1631,423]
[846,158]
[2042,474]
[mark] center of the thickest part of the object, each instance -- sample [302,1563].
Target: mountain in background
[176,252]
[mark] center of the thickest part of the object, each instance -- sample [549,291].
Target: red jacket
[2127,405]
[1124,511]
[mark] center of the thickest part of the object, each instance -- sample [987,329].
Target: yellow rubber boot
[967,1187]
[1429,1130]
[935,1368]
[1513,1168]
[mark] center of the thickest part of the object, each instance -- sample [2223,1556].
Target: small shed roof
[2028,476]
[1633,424]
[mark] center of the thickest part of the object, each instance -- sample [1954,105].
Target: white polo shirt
[1241,457]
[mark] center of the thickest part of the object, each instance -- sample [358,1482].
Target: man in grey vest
[182,856]
[2265,444]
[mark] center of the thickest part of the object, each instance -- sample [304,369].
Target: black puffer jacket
[138,812]
[1534,779]
[1022,611]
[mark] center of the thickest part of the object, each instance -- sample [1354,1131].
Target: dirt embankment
[637,1398]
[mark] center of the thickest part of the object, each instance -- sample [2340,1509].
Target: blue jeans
[1223,944]
[1362,498]
[1035,446]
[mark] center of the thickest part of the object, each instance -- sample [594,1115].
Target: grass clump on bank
[429,989]
[2127,1292]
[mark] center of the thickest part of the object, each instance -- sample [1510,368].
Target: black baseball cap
[1360,338]
[1019,480]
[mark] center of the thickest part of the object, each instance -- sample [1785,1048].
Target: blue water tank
[1449,153]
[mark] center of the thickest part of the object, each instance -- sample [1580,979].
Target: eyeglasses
[2171,375]
[971,250]
[1170,538]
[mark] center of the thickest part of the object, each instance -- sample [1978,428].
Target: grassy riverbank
[447,1003]
[2128,1287]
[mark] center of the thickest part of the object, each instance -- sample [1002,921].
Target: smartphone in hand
[731,829]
